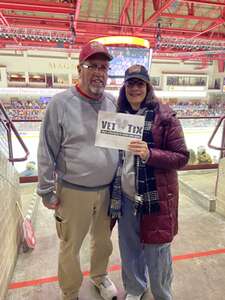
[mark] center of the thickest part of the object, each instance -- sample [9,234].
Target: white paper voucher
[116,130]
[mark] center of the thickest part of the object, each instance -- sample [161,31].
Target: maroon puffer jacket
[170,153]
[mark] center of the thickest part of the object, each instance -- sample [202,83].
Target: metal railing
[222,147]
[10,128]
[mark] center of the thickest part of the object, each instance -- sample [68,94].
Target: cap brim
[138,76]
[107,55]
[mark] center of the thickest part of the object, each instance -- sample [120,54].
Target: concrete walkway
[200,185]
[198,253]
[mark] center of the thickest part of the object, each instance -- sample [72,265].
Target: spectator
[84,173]
[30,169]
[145,190]
[202,156]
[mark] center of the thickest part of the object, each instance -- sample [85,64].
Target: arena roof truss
[176,29]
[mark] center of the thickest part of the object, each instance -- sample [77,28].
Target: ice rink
[195,136]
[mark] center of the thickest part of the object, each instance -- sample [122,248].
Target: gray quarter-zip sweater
[66,148]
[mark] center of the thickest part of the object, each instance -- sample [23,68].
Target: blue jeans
[140,260]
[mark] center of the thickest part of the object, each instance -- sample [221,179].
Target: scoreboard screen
[124,57]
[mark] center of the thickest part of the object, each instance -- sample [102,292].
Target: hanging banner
[116,130]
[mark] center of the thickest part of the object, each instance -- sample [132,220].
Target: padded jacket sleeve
[171,152]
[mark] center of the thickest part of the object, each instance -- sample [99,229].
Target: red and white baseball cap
[92,48]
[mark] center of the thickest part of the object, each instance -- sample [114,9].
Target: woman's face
[136,90]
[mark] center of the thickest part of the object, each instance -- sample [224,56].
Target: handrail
[222,148]
[214,133]
[7,123]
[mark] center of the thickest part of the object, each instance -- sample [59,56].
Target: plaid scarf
[145,184]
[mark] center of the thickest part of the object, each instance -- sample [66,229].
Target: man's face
[93,74]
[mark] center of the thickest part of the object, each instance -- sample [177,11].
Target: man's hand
[51,201]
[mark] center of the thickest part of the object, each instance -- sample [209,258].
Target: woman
[145,190]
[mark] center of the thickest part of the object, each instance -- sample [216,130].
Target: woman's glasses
[135,82]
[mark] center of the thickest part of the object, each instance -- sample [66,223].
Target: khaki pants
[78,212]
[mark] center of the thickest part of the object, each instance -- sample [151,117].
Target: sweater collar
[84,94]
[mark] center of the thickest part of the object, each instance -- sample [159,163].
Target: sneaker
[133,297]
[107,289]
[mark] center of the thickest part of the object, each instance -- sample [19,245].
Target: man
[82,173]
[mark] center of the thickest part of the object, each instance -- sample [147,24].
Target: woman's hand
[140,148]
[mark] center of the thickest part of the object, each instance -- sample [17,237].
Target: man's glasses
[132,83]
[94,67]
